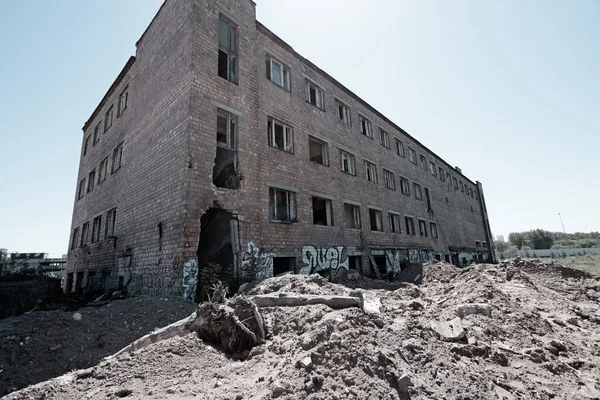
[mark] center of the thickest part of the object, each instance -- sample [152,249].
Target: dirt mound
[485,332]
[41,345]
[298,284]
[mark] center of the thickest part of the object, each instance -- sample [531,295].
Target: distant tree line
[541,239]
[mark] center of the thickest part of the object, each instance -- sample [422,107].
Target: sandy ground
[528,330]
[41,345]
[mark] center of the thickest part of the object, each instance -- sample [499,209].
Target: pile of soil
[41,345]
[516,330]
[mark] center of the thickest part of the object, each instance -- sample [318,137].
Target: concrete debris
[370,303]
[77,316]
[449,330]
[469,309]
[482,332]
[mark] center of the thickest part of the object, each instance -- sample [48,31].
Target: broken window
[455,183]
[84,234]
[418,193]
[423,162]
[441,174]
[91,180]
[394,222]
[410,225]
[123,97]
[108,118]
[280,135]
[227,50]
[483,244]
[321,211]
[376,220]
[348,162]
[81,190]
[86,144]
[75,238]
[433,230]
[111,219]
[412,155]
[278,73]
[384,138]
[405,186]
[462,186]
[422,228]
[477,243]
[225,167]
[371,171]
[314,95]
[428,198]
[282,205]
[317,150]
[116,159]
[399,148]
[96,134]
[103,170]
[365,127]
[352,216]
[471,192]
[432,168]
[282,265]
[343,112]
[96,229]
[390,181]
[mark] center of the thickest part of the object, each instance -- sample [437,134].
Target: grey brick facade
[171,218]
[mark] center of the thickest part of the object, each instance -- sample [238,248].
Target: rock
[278,390]
[448,330]
[573,321]
[416,305]
[370,302]
[560,346]
[472,341]
[77,316]
[84,373]
[305,363]
[500,359]
[474,308]
[404,382]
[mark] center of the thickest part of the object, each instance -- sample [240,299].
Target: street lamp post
[561,223]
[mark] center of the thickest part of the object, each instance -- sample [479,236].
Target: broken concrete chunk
[305,363]
[474,308]
[335,302]
[448,330]
[370,302]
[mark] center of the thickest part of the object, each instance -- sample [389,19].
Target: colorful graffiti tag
[259,263]
[317,259]
[190,279]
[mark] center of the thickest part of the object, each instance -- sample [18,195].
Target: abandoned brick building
[218,143]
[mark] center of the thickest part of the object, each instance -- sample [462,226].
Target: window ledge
[280,87]
[281,150]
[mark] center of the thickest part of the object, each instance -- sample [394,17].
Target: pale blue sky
[508,91]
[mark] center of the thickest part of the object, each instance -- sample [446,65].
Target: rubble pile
[516,330]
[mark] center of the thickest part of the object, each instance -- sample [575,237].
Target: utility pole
[561,223]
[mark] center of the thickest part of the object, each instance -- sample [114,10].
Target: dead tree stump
[235,326]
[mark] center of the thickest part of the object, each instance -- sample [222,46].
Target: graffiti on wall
[394,259]
[190,279]
[156,280]
[255,261]
[315,259]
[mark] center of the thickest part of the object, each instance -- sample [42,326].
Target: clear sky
[508,91]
